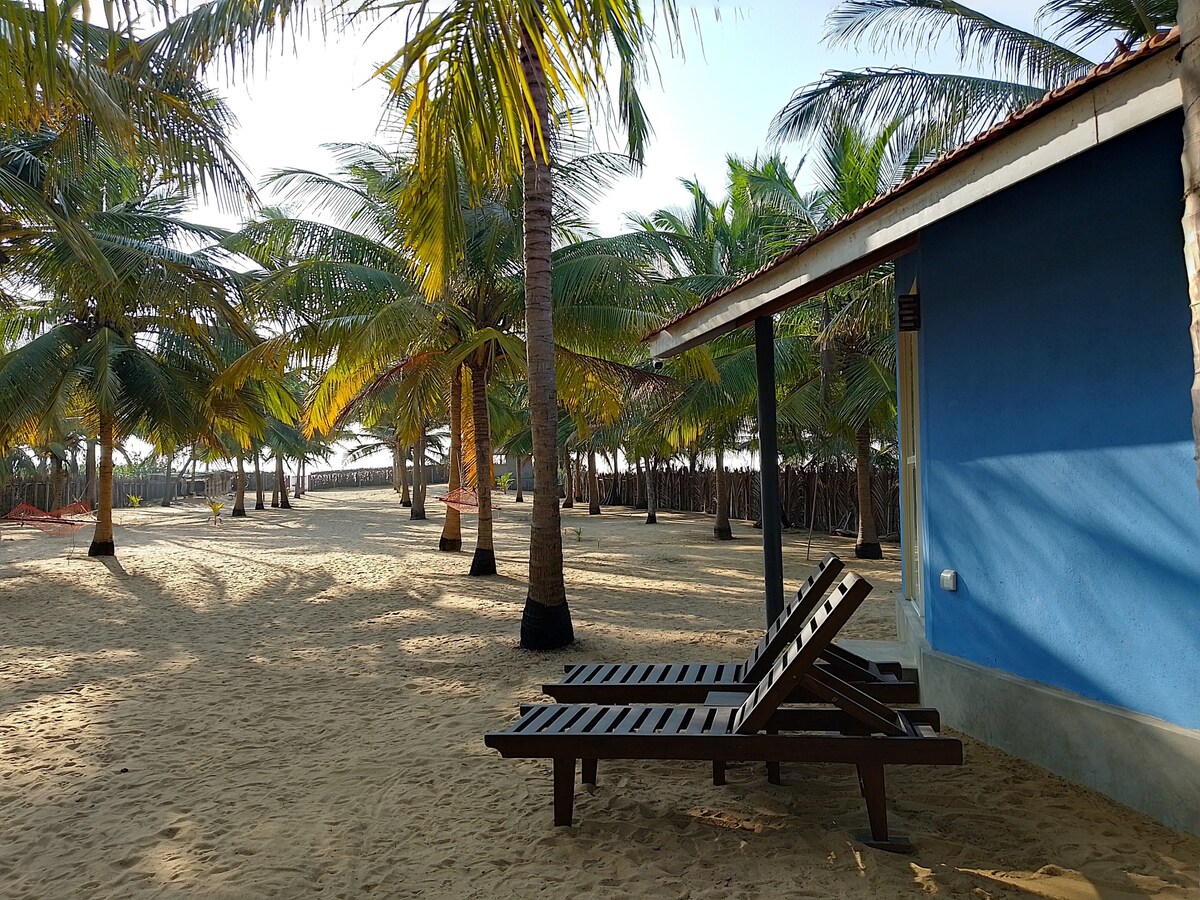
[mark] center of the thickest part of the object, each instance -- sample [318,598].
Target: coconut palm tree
[490,80]
[99,333]
[1189,26]
[1016,67]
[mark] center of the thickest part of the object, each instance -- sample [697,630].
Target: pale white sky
[715,100]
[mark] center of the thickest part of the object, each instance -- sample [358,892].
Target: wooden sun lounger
[859,730]
[692,682]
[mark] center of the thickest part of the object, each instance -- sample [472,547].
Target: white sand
[293,703]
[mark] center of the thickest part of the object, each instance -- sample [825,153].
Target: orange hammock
[463,500]
[58,522]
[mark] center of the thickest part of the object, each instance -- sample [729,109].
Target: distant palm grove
[442,292]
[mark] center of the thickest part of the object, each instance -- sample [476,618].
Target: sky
[714,99]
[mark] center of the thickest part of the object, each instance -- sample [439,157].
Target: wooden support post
[589,771]
[871,783]
[564,790]
[768,442]
[718,771]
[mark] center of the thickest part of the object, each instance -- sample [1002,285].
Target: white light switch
[949,580]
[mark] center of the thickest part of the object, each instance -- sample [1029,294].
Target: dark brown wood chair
[856,729]
[692,682]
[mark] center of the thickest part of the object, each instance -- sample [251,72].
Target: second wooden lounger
[691,682]
[860,730]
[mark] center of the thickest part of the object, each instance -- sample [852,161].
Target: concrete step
[886,651]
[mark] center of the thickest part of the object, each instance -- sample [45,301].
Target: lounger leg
[564,790]
[871,783]
[589,771]
[718,771]
[773,776]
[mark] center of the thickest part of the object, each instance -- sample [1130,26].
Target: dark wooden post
[768,442]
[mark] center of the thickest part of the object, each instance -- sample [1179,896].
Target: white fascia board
[1114,107]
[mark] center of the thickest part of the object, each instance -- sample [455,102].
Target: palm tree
[93,328]
[522,62]
[1018,67]
[1189,26]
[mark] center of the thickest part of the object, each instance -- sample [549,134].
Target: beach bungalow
[1051,533]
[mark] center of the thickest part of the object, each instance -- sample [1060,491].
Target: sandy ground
[293,704]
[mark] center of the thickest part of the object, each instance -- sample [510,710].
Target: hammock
[58,522]
[464,500]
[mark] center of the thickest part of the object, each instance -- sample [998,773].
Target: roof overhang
[1097,109]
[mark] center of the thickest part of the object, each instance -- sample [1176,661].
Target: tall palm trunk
[89,474]
[639,493]
[259,494]
[451,540]
[651,492]
[418,488]
[299,478]
[593,483]
[546,621]
[402,460]
[168,486]
[1189,55]
[867,545]
[520,498]
[484,560]
[568,484]
[277,481]
[102,539]
[239,502]
[59,481]
[580,496]
[281,480]
[721,529]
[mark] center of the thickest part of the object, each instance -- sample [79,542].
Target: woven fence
[825,497]
[45,494]
[435,473]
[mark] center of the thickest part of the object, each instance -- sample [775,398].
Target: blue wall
[1056,440]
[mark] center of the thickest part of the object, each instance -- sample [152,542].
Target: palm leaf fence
[46,494]
[823,497]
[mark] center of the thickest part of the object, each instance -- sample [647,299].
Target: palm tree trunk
[259,493]
[102,540]
[579,479]
[593,483]
[277,481]
[1189,55]
[299,478]
[520,498]
[191,488]
[546,621]
[402,458]
[281,477]
[418,488]
[168,487]
[651,493]
[721,528]
[89,474]
[451,540]
[867,545]
[59,483]
[484,560]
[639,493]
[568,485]
[239,502]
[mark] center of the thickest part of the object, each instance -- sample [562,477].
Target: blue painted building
[1051,537]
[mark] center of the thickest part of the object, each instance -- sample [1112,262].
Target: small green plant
[216,506]
[505,482]
[578,534]
[135,501]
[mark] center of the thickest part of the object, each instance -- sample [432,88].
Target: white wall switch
[949,580]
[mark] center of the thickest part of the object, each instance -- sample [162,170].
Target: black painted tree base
[405,504]
[483,562]
[868,551]
[518,500]
[275,504]
[102,548]
[568,504]
[283,504]
[237,513]
[723,534]
[419,515]
[651,518]
[593,510]
[546,627]
[260,506]
[450,545]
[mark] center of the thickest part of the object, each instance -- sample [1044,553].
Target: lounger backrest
[788,624]
[798,657]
